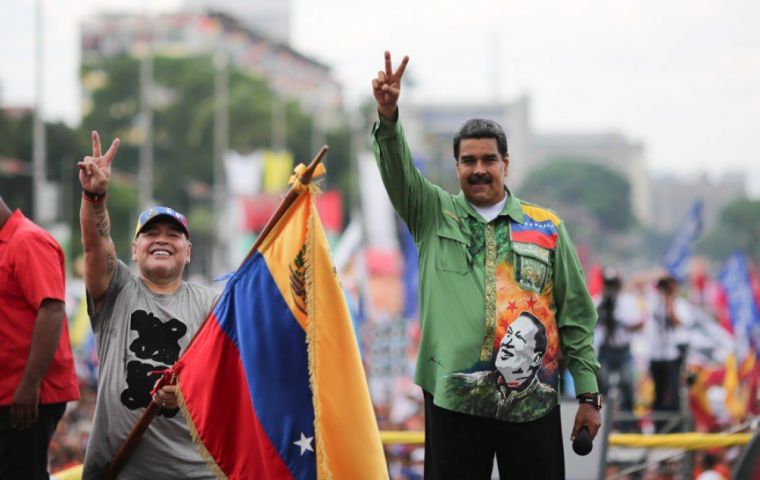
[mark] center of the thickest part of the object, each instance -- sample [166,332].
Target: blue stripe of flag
[273,349]
[546,227]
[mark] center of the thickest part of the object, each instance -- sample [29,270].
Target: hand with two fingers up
[386,88]
[95,169]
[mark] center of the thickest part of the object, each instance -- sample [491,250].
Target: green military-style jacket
[476,280]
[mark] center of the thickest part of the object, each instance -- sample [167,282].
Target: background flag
[741,371]
[676,257]
[277,169]
[743,311]
[273,385]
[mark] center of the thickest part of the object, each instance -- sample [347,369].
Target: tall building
[430,129]
[612,150]
[291,74]
[270,18]
[674,198]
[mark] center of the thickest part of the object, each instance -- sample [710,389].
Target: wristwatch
[594,399]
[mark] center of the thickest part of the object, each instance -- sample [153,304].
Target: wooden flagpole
[129,445]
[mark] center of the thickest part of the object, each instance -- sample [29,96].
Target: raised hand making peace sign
[95,170]
[387,87]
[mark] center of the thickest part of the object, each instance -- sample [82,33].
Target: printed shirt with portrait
[476,278]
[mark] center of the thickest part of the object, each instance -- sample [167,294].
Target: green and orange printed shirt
[476,278]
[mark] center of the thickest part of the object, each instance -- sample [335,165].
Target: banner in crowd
[742,308]
[743,314]
[676,257]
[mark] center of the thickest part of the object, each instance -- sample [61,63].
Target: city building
[291,74]
[613,150]
[430,129]
[674,198]
[270,18]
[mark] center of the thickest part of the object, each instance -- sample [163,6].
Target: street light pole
[145,166]
[279,122]
[39,153]
[220,247]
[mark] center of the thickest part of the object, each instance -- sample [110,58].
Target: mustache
[479,179]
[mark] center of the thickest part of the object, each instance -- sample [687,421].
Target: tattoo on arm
[102,226]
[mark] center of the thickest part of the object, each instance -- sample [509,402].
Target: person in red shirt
[37,368]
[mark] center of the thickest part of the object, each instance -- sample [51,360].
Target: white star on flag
[304,443]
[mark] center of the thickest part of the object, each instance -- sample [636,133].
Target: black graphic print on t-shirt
[157,342]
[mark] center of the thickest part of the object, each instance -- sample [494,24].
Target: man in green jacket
[489,265]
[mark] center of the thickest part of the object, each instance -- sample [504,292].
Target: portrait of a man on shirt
[511,389]
[520,352]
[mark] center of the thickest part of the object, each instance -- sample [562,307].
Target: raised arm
[413,197]
[387,87]
[99,251]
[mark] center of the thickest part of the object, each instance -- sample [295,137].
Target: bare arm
[45,336]
[99,251]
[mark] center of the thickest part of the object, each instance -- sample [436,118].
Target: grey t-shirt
[138,331]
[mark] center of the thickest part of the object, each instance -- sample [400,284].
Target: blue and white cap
[154,212]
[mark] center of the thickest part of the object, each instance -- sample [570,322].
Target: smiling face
[519,356]
[161,250]
[481,170]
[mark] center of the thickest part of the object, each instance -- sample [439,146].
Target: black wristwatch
[594,399]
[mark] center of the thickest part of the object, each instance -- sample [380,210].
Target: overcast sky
[683,77]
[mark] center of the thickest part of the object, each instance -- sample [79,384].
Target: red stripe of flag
[221,402]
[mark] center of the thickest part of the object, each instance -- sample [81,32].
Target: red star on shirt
[531,301]
[512,307]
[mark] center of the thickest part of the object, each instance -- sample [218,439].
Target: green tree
[15,143]
[64,148]
[738,228]
[183,128]
[593,200]
[597,189]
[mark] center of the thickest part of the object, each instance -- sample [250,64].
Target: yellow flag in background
[79,326]
[277,169]
[737,395]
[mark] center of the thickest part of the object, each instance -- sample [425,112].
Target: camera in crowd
[667,284]
[611,278]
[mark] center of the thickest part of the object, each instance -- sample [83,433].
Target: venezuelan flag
[538,231]
[273,386]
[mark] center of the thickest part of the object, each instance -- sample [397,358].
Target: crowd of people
[622,338]
[69,443]
[644,335]
[624,335]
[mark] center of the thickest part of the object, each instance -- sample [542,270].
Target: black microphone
[582,444]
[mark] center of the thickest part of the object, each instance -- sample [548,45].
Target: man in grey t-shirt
[142,323]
